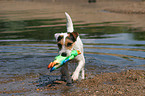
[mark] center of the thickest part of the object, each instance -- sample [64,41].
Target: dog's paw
[75,77]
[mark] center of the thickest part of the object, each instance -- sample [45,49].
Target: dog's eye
[69,44]
[59,45]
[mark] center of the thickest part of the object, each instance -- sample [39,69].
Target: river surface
[27,46]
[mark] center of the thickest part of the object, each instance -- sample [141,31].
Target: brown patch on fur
[60,43]
[73,36]
[59,38]
[69,43]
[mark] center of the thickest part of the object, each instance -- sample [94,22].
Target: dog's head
[65,42]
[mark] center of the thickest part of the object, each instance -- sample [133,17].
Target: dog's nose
[63,54]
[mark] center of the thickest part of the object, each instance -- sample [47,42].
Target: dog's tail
[69,23]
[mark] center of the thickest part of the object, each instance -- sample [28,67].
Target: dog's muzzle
[64,54]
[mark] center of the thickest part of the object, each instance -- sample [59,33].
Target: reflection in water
[23,30]
[92,1]
[44,29]
[34,39]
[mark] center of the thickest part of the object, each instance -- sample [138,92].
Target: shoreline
[132,11]
[126,83]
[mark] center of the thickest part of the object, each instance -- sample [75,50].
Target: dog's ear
[58,37]
[73,36]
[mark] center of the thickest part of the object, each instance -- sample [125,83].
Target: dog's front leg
[83,73]
[65,74]
[79,68]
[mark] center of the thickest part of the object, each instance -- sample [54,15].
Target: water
[27,46]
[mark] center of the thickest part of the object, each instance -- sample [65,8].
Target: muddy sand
[126,83]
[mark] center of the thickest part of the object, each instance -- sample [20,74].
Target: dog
[67,42]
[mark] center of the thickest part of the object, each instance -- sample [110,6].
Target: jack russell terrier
[66,43]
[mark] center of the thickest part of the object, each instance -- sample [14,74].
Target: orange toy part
[52,64]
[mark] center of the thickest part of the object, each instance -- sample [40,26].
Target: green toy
[61,60]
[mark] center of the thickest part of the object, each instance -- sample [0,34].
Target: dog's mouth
[65,53]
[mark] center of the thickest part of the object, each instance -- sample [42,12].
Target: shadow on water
[20,30]
[44,29]
[28,46]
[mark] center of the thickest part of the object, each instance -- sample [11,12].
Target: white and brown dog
[66,43]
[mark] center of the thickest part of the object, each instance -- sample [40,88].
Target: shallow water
[28,46]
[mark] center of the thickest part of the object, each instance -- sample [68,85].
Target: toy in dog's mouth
[61,60]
